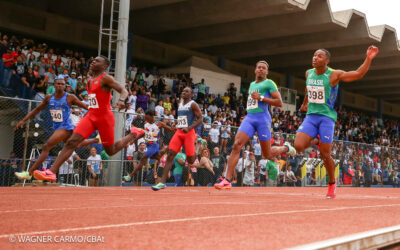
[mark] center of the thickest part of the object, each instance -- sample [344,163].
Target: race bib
[252,103]
[316,94]
[57,115]
[93,104]
[182,122]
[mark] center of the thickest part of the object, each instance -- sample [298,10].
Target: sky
[377,11]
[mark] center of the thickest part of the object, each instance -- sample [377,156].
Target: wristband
[261,97]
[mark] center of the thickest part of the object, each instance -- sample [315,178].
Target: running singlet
[265,88]
[60,111]
[321,95]
[151,132]
[98,99]
[185,115]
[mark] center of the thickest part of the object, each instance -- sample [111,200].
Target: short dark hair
[264,62]
[327,53]
[149,112]
[106,60]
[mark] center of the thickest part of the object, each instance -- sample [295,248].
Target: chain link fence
[357,164]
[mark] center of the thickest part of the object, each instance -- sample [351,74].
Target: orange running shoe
[45,175]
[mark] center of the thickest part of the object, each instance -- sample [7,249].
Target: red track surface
[192,218]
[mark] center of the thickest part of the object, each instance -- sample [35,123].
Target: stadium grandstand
[212,49]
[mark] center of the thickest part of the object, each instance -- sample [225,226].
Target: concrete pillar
[115,168]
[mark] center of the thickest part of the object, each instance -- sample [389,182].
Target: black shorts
[95,178]
[262,178]
[160,171]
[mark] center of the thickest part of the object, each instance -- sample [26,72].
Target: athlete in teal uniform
[262,93]
[321,89]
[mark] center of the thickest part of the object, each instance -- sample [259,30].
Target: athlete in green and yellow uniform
[322,84]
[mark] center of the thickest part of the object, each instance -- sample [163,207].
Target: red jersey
[98,99]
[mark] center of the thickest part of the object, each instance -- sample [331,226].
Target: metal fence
[371,164]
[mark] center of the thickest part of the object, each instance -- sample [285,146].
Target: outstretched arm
[350,76]
[77,102]
[34,112]
[163,125]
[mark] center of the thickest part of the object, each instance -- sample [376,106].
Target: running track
[192,218]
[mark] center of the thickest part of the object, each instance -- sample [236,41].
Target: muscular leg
[58,136]
[325,150]
[168,165]
[66,151]
[118,145]
[140,166]
[241,139]
[304,141]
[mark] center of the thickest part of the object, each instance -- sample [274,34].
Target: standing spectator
[167,106]
[19,67]
[263,167]
[219,164]
[75,116]
[205,172]
[250,164]
[367,170]
[225,136]
[348,173]
[42,66]
[201,91]
[9,57]
[95,166]
[239,169]
[31,61]
[143,100]
[80,87]
[28,80]
[159,109]
[179,163]
[132,99]
[214,135]
[73,81]
[40,89]
[138,177]
[272,173]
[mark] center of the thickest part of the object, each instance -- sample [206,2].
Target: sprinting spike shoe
[127,178]
[45,175]
[224,184]
[159,186]
[24,175]
[331,191]
[292,151]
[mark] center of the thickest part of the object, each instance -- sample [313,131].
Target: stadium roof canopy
[284,32]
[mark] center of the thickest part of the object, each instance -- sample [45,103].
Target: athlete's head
[261,70]
[321,58]
[187,93]
[149,116]
[99,64]
[59,84]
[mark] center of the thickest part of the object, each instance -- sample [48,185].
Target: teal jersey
[321,95]
[265,88]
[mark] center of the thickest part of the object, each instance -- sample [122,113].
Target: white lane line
[192,219]
[369,239]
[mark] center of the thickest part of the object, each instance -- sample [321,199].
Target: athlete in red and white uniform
[189,118]
[99,117]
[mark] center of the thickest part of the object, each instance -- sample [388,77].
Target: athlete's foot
[127,178]
[223,184]
[331,191]
[24,175]
[291,150]
[159,186]
[45,175]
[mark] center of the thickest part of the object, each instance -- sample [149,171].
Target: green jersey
[321,95]
[272,170]
[178,167]
[265,88]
